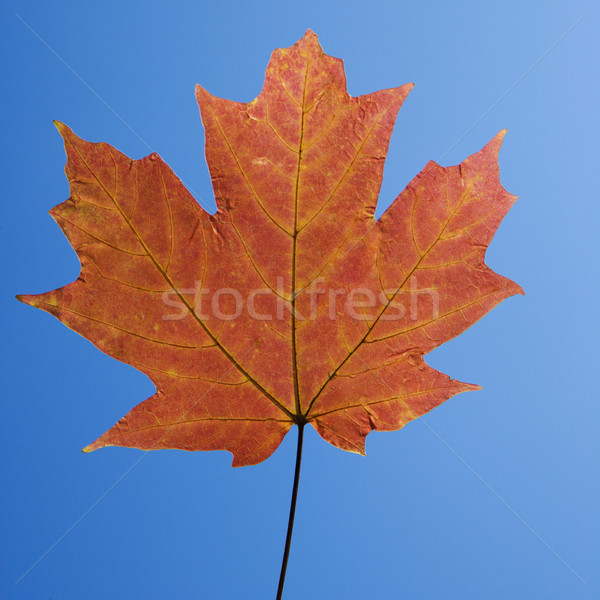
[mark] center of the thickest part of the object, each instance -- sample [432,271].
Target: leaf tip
[27,299]
[468,387]
[64,131]
[60,126]
[309,34]
[310,41]
[91,447]
[495,143]
[202,95]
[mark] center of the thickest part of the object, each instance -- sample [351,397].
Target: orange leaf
[291,304]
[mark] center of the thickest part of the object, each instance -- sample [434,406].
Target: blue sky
[492,495]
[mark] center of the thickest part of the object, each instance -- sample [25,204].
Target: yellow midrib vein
[294,249]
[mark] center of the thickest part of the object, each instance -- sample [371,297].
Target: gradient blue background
[412,520]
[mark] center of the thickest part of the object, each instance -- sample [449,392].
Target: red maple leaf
[291,304]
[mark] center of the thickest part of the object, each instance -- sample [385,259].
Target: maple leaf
[291,304]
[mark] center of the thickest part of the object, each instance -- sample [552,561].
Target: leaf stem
[288,539]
